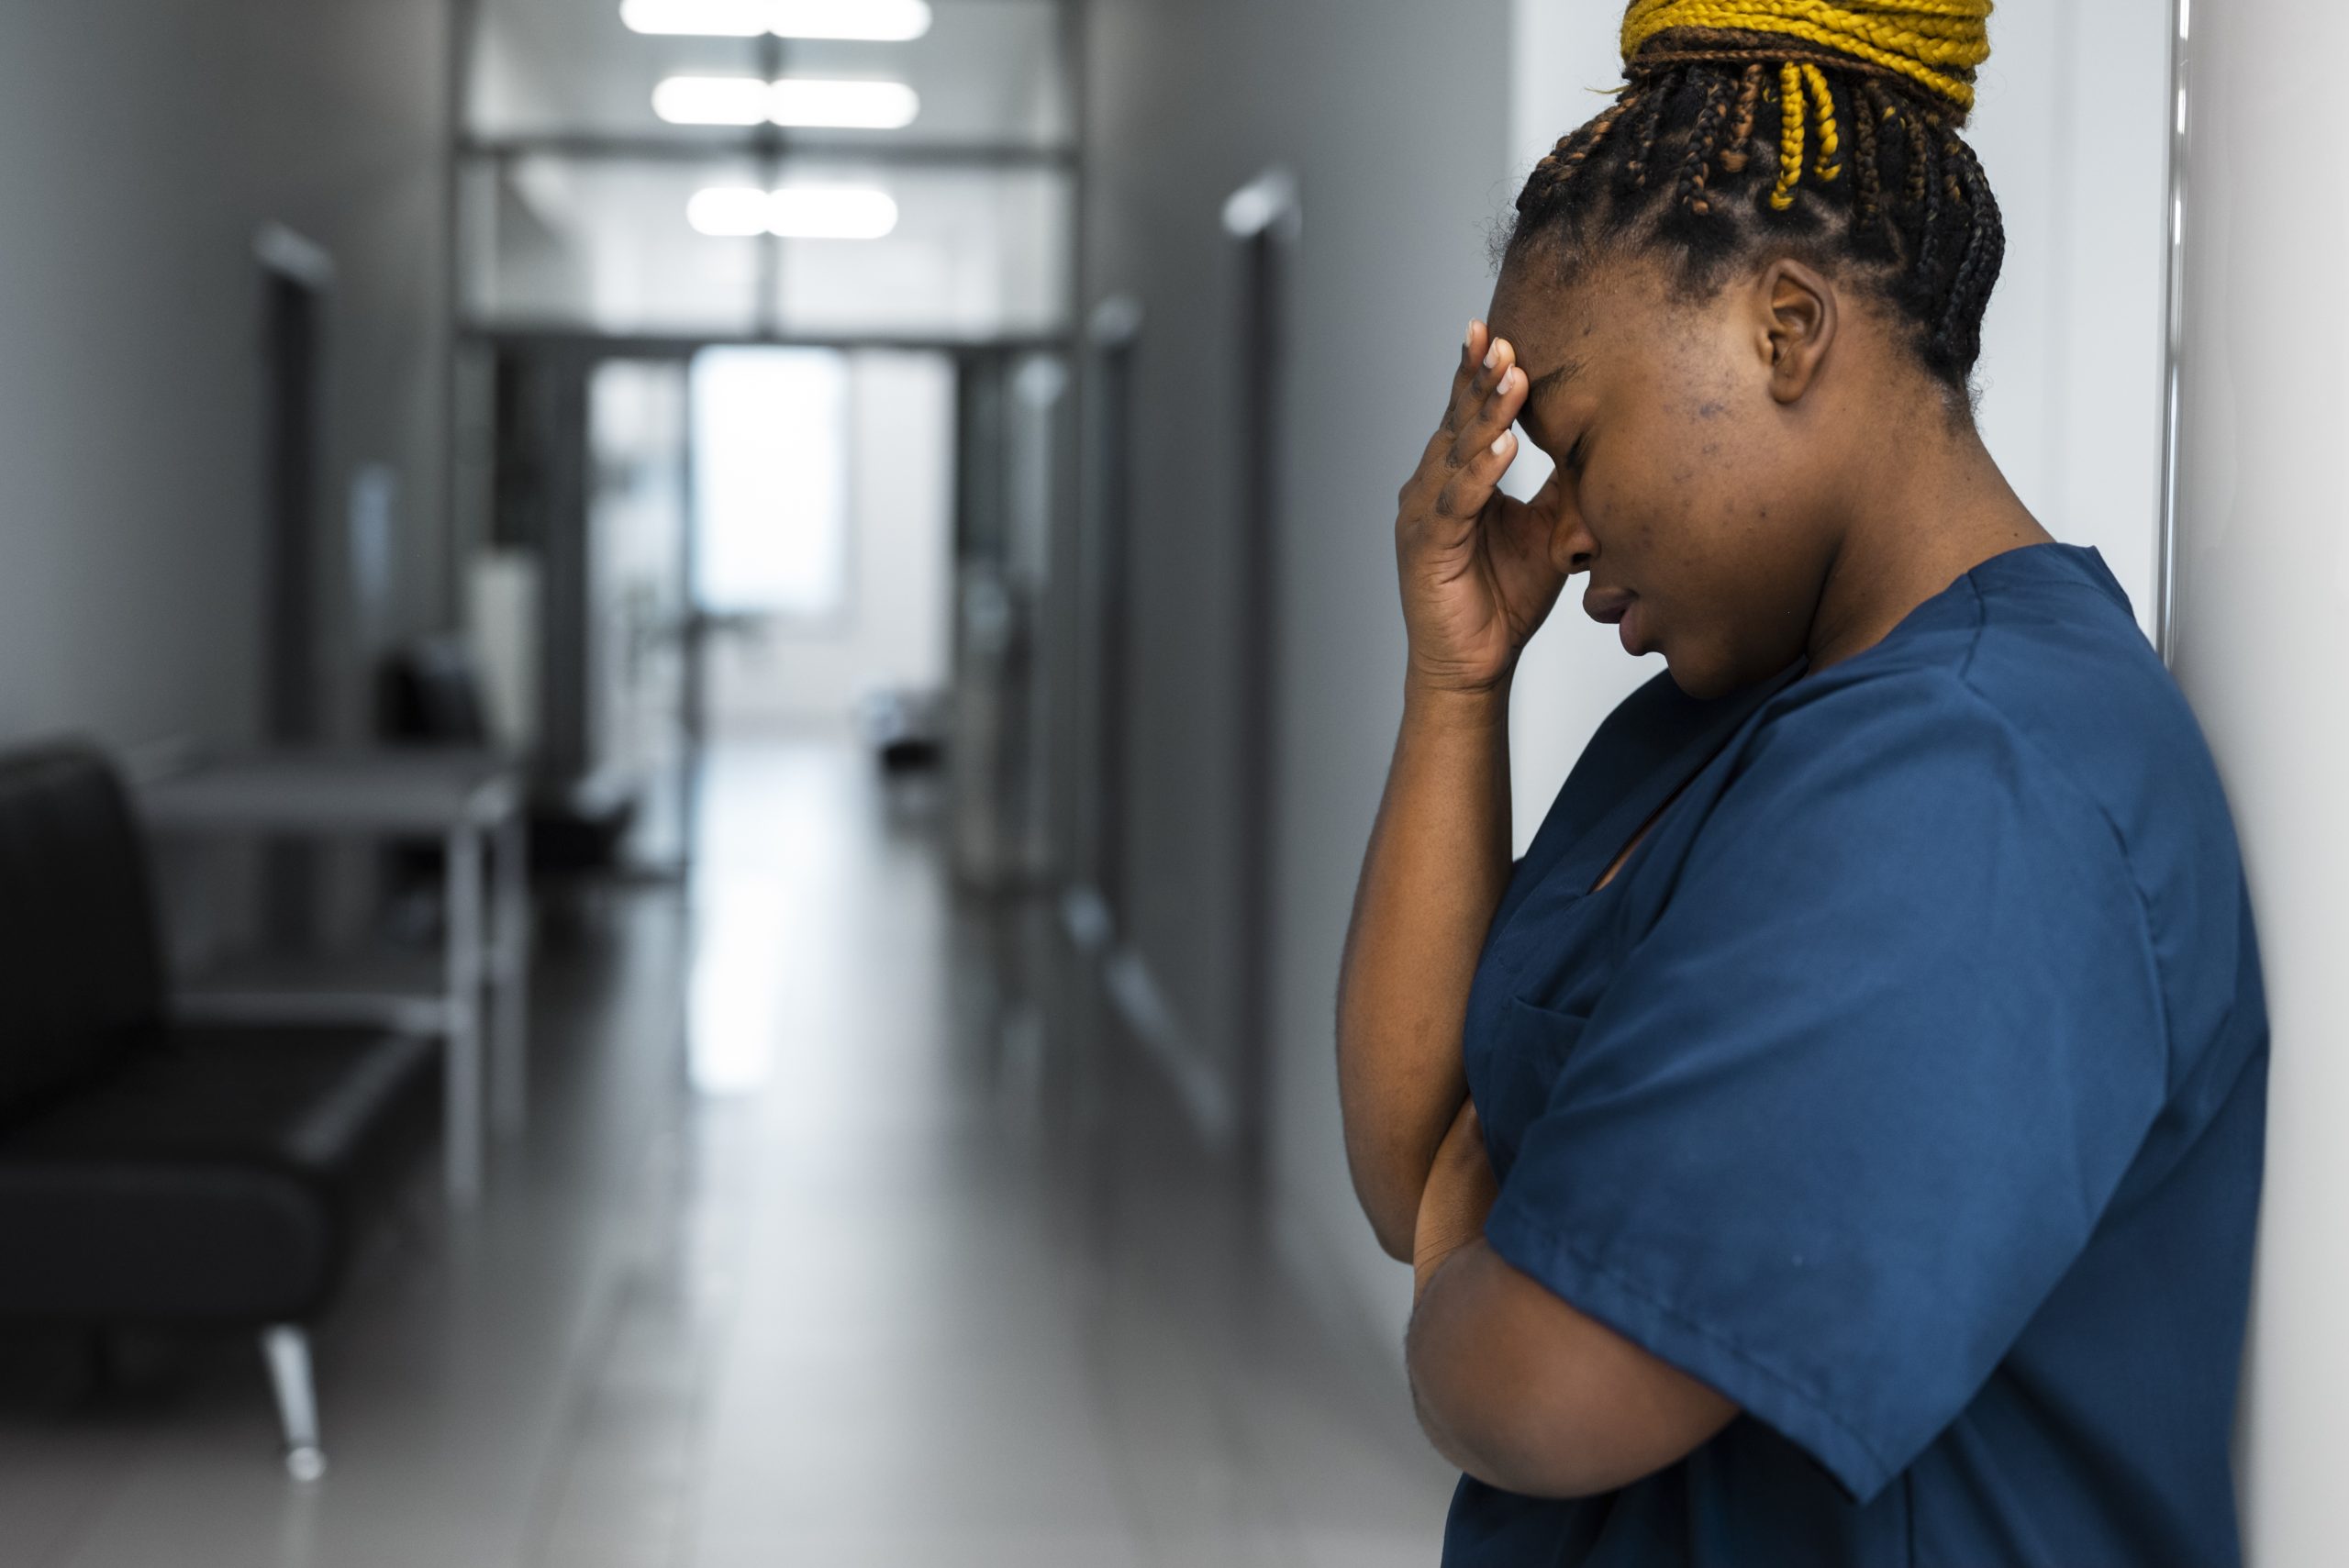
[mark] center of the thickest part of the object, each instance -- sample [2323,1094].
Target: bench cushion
[81,971]
[219,1173]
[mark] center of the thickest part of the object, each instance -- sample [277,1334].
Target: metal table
[472,802]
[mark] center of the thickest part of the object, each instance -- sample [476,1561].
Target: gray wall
[145,143]
[1394,117]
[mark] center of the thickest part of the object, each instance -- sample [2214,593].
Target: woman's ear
[1799,319]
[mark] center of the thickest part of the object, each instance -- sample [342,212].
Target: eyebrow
[1555,379]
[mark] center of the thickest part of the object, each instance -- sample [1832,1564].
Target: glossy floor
[845,1233]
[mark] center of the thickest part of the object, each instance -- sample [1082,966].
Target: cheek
[1685,530]
[1740,571]
[1717,519]
[1676,467]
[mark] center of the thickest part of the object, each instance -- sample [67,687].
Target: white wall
[2262,640]
[2072,350]
[1566,61]
[894,630]
[147,144]
[2071,368]
[1388,114]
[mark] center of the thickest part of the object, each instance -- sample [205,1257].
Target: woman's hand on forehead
[1476,575]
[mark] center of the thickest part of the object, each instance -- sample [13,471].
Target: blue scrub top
[1907,1086]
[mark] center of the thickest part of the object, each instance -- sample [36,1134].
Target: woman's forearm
[1438,863]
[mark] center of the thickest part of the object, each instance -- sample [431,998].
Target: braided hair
[1729,141]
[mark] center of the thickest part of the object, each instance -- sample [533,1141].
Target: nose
[1573,548]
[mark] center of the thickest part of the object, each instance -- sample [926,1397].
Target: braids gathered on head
[1936,44]
[1790,136]
[1728,138]
[1704,145]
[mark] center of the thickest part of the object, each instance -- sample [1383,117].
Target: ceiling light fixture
[871,21]
[794,212]
[711,100]
[851,105]
[728,212]
[831,212]
[795,100]
[706,18]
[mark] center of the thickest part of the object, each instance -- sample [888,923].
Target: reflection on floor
[893,1257]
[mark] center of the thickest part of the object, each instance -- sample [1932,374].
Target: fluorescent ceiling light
[831,212]
[728,212]
[795,100]
[709,18]
[794,212]
[855,105]
[712,100]
[878,21]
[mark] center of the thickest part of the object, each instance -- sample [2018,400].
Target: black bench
[153,1173]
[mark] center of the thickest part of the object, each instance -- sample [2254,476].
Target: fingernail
[1493,354]
[1469,341]
[1501,441]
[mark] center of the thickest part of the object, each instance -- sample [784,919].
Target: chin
[1717,672]
[1699,677]
[1702,684]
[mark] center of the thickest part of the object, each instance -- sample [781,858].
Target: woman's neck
[1932,512]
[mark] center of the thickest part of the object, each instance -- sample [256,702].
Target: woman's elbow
[1391,1204]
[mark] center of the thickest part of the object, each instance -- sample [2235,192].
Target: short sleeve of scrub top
[1871,1062]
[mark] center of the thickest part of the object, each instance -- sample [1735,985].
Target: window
[770,454]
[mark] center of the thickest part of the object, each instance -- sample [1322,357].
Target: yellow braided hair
[1790,136]
[1936,44]
[1831,145]
[1744,124]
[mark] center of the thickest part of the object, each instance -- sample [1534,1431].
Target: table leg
[461,1008]
[510,973]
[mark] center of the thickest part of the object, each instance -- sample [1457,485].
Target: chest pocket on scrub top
[1530,1049]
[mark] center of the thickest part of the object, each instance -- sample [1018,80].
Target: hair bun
[1936,44]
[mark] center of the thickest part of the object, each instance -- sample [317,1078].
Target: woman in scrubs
[1837,1141]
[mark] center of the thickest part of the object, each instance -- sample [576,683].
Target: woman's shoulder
[2041,640]
[2031,675]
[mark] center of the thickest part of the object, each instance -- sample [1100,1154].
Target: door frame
[1264,220]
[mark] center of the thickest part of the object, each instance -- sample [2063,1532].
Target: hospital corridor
[1173,783]
[929,1275]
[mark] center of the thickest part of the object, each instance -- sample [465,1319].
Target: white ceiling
[988,69]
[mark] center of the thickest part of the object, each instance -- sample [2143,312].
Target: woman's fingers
[1486,361]
[1467,457]
[1499,391]
[1485,443]
[1475,439]
[1465,626]
[1473,349]
[1473,482]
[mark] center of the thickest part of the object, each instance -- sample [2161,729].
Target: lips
[1617,608]
[1608,605]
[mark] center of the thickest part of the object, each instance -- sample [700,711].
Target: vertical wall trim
[2174,336]
[463,18]
[1264,218]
